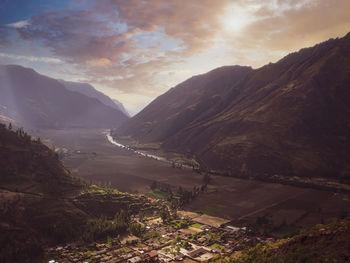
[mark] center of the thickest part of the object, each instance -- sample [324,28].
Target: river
[112,141]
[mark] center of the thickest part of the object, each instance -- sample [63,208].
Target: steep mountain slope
[88,90]
[323,243]
[121,107]
[41,204]
[290,118]
[194,100]
[38,101]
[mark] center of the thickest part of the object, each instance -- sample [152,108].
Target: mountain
[88,90]
[43,205]
[322,243]
[121,107]
[195,99]
[37,101]
[286,118]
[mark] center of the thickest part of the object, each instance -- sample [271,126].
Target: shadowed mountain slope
[88,90]
[193,101]
[43,205]
[289,118]
[38,101]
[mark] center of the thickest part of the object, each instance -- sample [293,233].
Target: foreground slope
[288,118]
[37,101]
[323,243]
[43,205]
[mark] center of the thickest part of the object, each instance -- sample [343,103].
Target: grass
[208,210]
[218,246]
[196,225]
[158,194]
[178,224]
[125,249]
[212,188]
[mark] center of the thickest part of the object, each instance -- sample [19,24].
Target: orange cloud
[102,62]
[126,45]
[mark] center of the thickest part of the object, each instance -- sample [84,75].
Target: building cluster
[190,238]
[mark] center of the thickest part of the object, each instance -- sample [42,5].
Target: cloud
[128,45]
[291,25]
[32,58]
[19,24]
[102,62]
[133,40]
[4,36]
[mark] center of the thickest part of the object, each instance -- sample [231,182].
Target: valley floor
[275,208]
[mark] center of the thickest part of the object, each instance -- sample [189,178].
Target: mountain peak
[88,90]
[288,118]
[37,101]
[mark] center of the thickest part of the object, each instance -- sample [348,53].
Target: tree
[206,178]
[165,215]
[154,185]
[141,216]
[136,229]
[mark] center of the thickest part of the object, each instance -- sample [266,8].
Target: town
[181,237]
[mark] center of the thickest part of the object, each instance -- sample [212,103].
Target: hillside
[43,205]
[287,118]
[37,101]
[194,100]
[88,90]
[121,107]
[323,243]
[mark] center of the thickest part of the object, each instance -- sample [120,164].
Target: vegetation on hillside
[323,243]
[42,204]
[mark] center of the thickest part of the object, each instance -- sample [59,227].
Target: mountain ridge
[287,118]
[90,91]
[38,101]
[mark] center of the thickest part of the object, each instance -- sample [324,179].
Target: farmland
[89,155]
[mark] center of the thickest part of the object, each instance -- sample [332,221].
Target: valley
[91,156]
[175,131]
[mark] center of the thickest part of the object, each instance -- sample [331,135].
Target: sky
[135,50]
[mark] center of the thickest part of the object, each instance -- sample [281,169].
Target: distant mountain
[37,101]
[287,118]
[90,91]
[121,107]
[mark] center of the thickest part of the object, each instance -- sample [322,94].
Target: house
[151,256]
[197,252]
[135,259]
[201,239]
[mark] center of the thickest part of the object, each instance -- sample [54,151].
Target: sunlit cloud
[32,58]
[237,16]
[142,48]
[19,24]
[102,62]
